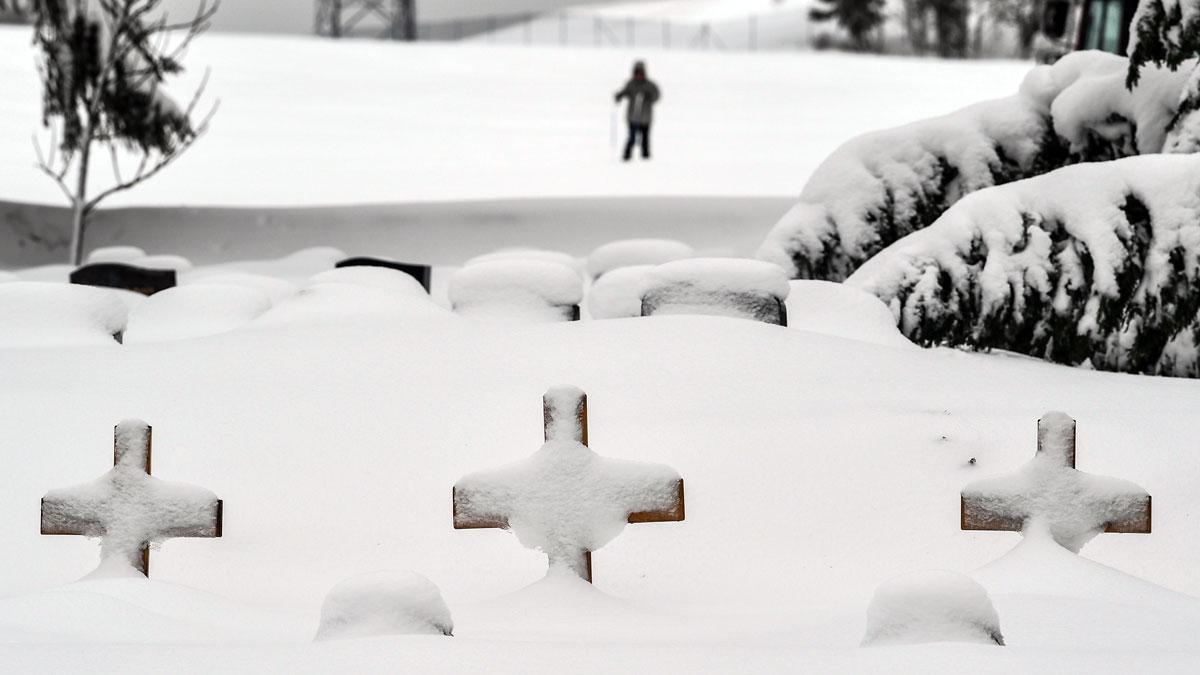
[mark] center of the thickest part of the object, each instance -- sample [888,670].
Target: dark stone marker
[762,307]
[127,277]
[422,273]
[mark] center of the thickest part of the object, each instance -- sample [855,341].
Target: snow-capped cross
[128,508]
[1049,494]
[566,500]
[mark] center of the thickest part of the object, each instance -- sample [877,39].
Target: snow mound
[163,262]
[1095,263]
[275,289]
[877,188]
[194,310]
[931,606]
[844,311]
[296,267]
[530,254]
[630,252]
[565,499]
[1049,495]
[618,293]
[355,294]
[384,603]
[44,314]
[750,289]
[532,290]
[7,276]
[1038,566]
[128,255]
[128,508]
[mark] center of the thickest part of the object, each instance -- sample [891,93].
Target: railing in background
[781,30]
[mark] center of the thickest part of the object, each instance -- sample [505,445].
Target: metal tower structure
[388,19]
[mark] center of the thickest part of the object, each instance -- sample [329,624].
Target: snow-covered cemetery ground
[352,447]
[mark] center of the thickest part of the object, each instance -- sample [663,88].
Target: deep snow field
[820,459]
[453,122]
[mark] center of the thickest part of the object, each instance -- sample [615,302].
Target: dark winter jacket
[642,95]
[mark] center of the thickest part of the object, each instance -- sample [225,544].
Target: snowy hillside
[311,122]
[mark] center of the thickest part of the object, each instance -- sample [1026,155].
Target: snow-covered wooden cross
[1049,494]
[128,508]
[566,500]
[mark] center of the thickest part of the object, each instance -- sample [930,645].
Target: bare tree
[103,65]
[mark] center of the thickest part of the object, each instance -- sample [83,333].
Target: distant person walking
[642,94]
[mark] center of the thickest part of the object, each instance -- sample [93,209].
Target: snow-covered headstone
[747,289]
[144,280]
[629,252]
[1049,495]
[566,500]
[422,273]
[384,603]
[517,290]
[128,508]
[932,606]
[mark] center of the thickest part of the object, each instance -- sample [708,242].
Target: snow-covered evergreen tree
[879,187]
[1166,33]
[858,17]
[1092,264]
[103,64]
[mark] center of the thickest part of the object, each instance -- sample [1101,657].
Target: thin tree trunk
[79,211]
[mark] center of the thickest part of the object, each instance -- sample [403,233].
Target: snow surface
[384,603]
[194,310]
[730,124]
[932,606]
[330,480]
[48,314]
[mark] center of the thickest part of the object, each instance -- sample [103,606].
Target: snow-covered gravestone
[932,606]
[422,273]
[566,500]
[144,280]
[128,508]
[517,290]
[1048,495]
[747,289]
[384,603]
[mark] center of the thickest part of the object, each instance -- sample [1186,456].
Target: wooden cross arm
[1137,523]
[975,517]
[210,529]
[57,518]
[671,513]
[465,521]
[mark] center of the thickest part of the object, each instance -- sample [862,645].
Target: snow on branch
[1093,264]
[882,186]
